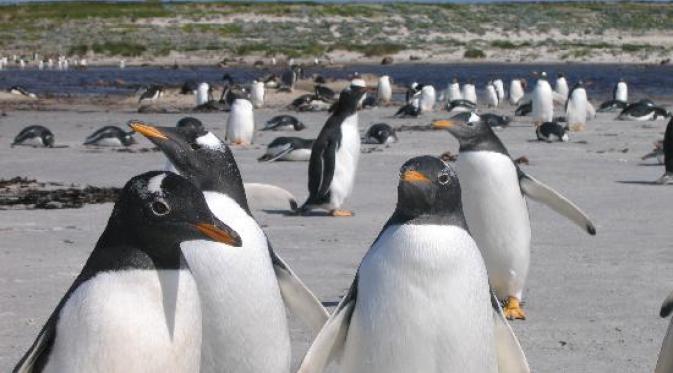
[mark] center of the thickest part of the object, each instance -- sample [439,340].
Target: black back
[668,148]
[126,138]
[380,132]
[35,131]
[477,136]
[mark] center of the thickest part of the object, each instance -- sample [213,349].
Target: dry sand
[592,302]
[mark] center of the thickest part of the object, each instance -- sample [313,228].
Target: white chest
[240,123]
[346,162]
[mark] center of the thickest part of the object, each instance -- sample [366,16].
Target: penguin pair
[495,190]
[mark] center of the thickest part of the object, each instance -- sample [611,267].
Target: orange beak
[414,177]
[147,130]
[218,234]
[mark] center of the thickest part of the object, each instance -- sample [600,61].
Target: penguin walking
[516,91]
[110,136]
[494,190]
[244,291]
[135,306]
[334,156]
[469,92]
[287,149]
[491,95]
[240,123]
[203,94]
[422,280]
[561,91]
[542,102]
[384,91]
[667,177]
[283,122]
[453,91]
[152,93]
[257,94]
[577,107]
[36,136]
[380,133]
[499,89]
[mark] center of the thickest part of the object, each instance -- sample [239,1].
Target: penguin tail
[262,194]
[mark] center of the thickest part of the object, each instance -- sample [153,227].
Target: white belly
[454,92]
[298,155]
[577,108]
[543,104]
[240,123]
[422,305]
[515,93]
[109,141]
[244,322]
[428,98]
[257,95]
[384,92]
[346,162]
[130,321]
[497,216]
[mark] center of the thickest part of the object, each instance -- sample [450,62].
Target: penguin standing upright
[576,107]
[257,94]
[203,94]
[543,101]
[495,208]
[428,98]
[491,95]
[384,91]
[135,306]
[469,92]
[499,89]
[240,123]
[335,154]
[667,177]
[561,92]
[454,91]
[243,290]
[422,280]
[516,91]
[621,92]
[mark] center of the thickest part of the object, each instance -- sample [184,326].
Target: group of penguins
[184,279]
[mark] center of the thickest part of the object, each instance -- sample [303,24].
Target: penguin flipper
[510,355]
[297,297]
[33,358]
[544,194]
[286,149]
[329,343]
[591,111]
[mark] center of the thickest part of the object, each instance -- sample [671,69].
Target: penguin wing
[42,345]
[329,343]
[511,358]
[321,167]
[667,306]
[544,194]
[298,298]
[591,111]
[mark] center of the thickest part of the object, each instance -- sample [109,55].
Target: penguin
[457,106]
[453,91]
[243,292]
[257,94]
[134,307]
[323,93]
[290,77]
[287,149]
[576,107]
[524,109]
[612,105]
[470,93]
[542,102]
[334,156]
[494,190]
[203,94]
[413,91]
[380,133]
[152,93]
[428,98]
[491,95]
[422,280]
[412,110]
[122,64]
[496,121]
[36,136]
[20,91]
[283,122]
[667,177]
[384,91]
[240,123]
[110,136]
[561,91]
[551,131]
[665,359]
[499,89]
[516,91]
[643,110]
[189,87]
[621,91]
[657,152]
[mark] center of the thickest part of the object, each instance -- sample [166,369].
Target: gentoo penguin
[384,92]
[152,93]
[457,106]
[561,91]
[122,64]
[453,91]
[577,107]
[493,191]
[412,109]
[324,93]
[36,136]
[135,307]
[491,95]
[469,92]
[413,91]
[499,89]
[243,291]
[17,90]
[283,122]
[495,121]
[542,101]
[334,156]
[380,133]
[612,105]
[257,94]
[643,110]
[189,87]
[621,91]
[290,77]
[203,94]
[428,98]
[420,301]
[516,91]
[665,360]
[110,136]
[667,177]
[287,149]
[551,131]
[240,123]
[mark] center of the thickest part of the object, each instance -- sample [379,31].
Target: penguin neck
[446,217]
[223,176]
[486,142]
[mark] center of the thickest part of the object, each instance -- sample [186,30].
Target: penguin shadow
[639,182]
[650,164]
[291,213]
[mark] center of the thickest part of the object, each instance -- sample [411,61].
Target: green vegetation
[119,49]
[474,53]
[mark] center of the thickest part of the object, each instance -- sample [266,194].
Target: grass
[119,49]
[474,53]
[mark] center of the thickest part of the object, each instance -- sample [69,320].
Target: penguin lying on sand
[380,133]
[551,131]
[110,136]
[288,149]
[36,136]
[283,122]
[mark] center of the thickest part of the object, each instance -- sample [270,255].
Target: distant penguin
[499,89]
[576,107]
[469,92]
[491,95]
[287,149]
[283,122]
[257,94]
[422,280]
[36,136]
[152,93]
[413,91]
[135,306]
[524,109]
[110,136]
[428,98]
[561,89]
[495,121]
[494,190]
[384,91]
[457,106]
[543,104]
[324,93]
[643,110]
[20,91]
[453,91]
[551,131]
[290,77]
[380,133]
[203,94]
[240,123]
[335,155]
[621,91]
[122,64]
[667,177]
[516,91]
[412,109]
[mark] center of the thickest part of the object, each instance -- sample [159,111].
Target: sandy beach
[592,302]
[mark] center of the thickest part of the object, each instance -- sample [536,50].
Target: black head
[48,139]
[429,191]
[579,84]
[190,122]
[127,139]
[156,211]
[350,100]
[560,75]
[472,133]
[200,156]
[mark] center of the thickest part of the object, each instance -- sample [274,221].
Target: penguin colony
[168,285]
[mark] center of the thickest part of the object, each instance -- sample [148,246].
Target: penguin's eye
[160,208]
[443,178]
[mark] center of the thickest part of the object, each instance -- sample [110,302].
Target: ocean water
[652,81]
